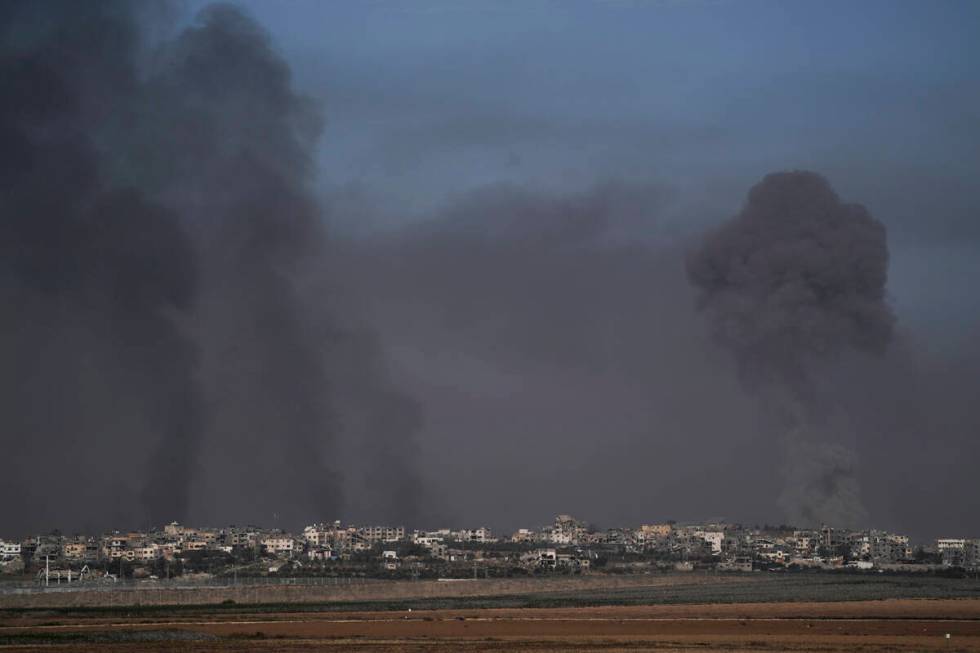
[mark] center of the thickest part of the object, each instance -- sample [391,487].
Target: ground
[654,622]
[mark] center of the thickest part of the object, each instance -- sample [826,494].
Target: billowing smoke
[234,143]
[797,279]
[93,275]
[168,354]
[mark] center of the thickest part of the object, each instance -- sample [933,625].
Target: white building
[320,553]
[540,558]
[566,530]
[481,535]
[959,552]
[524,535]
[9,550]
[950,543]
[279,544]
[714,538]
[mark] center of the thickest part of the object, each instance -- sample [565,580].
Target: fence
[305,590]
[102,584]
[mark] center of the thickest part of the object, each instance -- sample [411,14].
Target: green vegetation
[689,588]
[103,637]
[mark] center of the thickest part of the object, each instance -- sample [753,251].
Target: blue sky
[428,99]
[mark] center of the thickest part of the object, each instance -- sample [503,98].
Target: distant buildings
[567,545]
[9,550]
[959,552]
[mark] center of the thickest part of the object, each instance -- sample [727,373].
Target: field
[815,612]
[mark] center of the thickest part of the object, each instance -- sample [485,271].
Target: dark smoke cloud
[170,356]
[213,355]
[795,279]
[551,342]
[797,275]
[93,277]
[238,140]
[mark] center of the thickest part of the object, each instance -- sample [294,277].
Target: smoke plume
[93,272]
[169,352]
[798,278]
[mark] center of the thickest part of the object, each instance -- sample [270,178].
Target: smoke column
[795,280]
[232,145]
[168,354]
[92,272]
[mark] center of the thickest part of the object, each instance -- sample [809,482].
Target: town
[567,546]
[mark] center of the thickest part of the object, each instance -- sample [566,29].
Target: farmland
[812,612]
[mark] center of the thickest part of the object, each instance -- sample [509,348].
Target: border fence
[102,584]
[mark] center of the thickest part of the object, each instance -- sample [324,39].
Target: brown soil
[870,626]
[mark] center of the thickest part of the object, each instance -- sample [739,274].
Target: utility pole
[47,570]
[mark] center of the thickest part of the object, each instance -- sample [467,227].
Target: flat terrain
[546,592]
[894,625]
[672,613]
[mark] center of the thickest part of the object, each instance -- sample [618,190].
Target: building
[524,535]
[9,550]
[245,538]
[832,538]
[195,545]
[148,552]
[382,533]
[481,535]
[713,539]
[81,549]
[959,552]
[888,547]
[648,532]
[566,530]
[279,544]
[543,558]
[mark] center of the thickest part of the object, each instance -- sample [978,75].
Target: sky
[441,252]
[427,100]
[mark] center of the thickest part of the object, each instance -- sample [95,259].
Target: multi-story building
[9,550]
[713,539]
[315,534]
[245,538]
[382,533]
[481,535]
[888,547]
[189,545]
[959,552]
[566,530]
[524,535]
[281,544]
[81,548]
[540,558]
[832,538]
[426,540]
[648,532]
[805,543]
[148,552]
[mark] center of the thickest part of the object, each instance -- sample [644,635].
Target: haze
[428,263]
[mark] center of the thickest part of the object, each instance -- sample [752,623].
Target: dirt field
[869,626]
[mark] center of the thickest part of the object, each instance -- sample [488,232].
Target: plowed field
[869,626]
